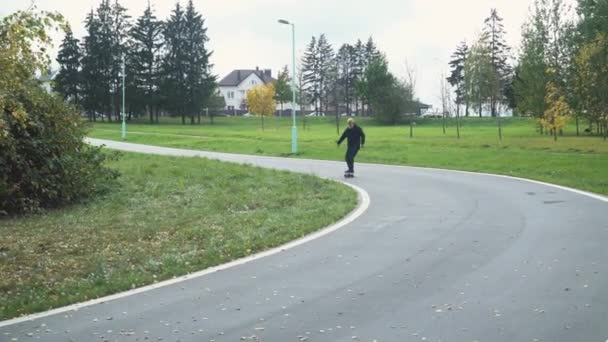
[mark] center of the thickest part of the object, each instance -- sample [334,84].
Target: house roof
[237,76]
[49,76]
[423,105]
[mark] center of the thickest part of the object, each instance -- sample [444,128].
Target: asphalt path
[437,256]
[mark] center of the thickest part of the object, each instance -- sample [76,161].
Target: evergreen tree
[103,56]
[199,83]
[310,73]
[325,55]
[144,59]
[173,64]
[359,65]
[457,76]
[345,63]
[93,76]
[494,35]
[119,41]
[68,79]
[371,51]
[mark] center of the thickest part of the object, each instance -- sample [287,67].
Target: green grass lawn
[576,161]
[166,217]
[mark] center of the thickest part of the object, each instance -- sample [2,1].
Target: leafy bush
[44,161]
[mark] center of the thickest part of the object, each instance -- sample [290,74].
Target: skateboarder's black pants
[351,152]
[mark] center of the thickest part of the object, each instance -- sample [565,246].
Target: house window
[230,107]
[253,82]
[242,93]
[230,94]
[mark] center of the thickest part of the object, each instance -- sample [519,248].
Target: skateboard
[349,175]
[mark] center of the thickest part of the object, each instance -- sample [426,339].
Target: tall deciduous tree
[68,79]
[557,110]
[480,82]
[260,100]
[592,80]
[282,88]
[531,71]
[389,98]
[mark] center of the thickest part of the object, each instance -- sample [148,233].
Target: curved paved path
[438,256]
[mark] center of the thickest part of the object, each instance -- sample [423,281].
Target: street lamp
[124,123]
[294,129]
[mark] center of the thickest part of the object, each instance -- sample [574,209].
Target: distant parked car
[432,115]
[247,114]
[316,114]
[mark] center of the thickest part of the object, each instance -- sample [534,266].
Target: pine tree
[94,78]
[103,56]
[457,76]
[325,55]
[68,79]
[494,35]
[144,58]
[345,62]
[359,65]
[119,41]
[174,64]
[310,73]
[371,51]
[199,83]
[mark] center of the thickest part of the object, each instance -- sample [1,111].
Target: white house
[235,85]
[46,80]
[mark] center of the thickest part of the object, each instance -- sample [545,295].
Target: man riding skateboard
[355,140]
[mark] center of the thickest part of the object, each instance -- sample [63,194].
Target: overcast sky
[245,33]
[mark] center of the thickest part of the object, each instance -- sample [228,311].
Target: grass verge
[168,217]
[576,161]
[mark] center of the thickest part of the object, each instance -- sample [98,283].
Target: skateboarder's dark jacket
[354,136]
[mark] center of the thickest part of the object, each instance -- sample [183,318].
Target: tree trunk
[157,113]
[577,127]
[443,123]
[466,111]
[499,128]
[198,117]
[337,124]
[554,134]
[183,119]
[149,110]
[262,116]
[457,125]
[411,128]
[480,109]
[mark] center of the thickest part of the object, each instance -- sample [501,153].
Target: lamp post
[294,129]
[124,123]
